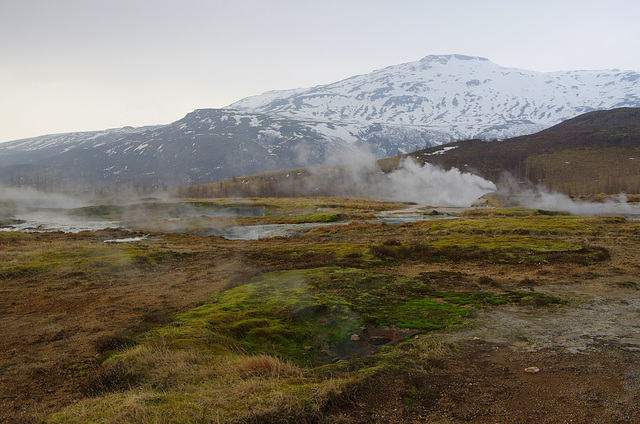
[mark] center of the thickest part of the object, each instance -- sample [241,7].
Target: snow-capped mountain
[393,110]
[454,97]
[206,145]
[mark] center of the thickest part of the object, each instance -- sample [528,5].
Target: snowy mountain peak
[397,109]
[446,58]
[456,96]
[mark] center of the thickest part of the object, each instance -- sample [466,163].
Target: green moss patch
[309,316]
[318,255]
[508,249]
[539,224]
[107,258]
[276,313]
[530,243]
[312,217]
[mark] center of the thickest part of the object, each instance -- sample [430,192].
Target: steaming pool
[63,220]
[51,220]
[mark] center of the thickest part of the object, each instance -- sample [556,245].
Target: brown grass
[265,366]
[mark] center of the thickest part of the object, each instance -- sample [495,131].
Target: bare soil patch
[488,383]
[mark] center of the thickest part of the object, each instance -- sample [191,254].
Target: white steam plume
[428,184]
[549,200]
[27,197]
[538,197]
[431,185]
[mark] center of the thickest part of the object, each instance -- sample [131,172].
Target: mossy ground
[277,344]
[99,259]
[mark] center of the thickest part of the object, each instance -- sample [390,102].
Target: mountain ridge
[431,91]
[387,112]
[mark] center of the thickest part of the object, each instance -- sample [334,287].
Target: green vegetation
[305,315]
[312,217]
[625,284]
[280,346]
[269,338]
[102,259]
[12,236]
[455,248]
[530,223]
[507,242]
[275,313]
[310,256]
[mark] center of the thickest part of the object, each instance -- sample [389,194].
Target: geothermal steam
[411,182]
[429,184]
[27,197]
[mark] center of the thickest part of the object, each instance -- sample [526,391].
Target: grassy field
[180,328]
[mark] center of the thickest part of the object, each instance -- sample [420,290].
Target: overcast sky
[78,65]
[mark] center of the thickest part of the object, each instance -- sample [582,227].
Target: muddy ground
[574,363]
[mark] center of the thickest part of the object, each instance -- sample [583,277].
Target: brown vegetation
[591,154]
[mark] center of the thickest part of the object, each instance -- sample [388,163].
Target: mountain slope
[597,152]
[456,97]
[391,111]
[206,145]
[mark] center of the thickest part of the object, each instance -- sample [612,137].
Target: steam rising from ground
[411,182]
[429,184]
[538,197]
[27,197]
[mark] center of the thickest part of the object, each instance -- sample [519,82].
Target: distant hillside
[206,145]
[598,152]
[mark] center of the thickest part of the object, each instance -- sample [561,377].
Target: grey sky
[77,65]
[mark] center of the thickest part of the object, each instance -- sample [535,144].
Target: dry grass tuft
[113,342]
[430,347]
[112,377]
[265,366]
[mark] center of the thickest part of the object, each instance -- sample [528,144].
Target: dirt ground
[519,365]
[576,363]
[487,383]
[49,325]
[586,355]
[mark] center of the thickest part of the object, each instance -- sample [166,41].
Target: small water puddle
[255,232]
[49,220]
[127,240]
